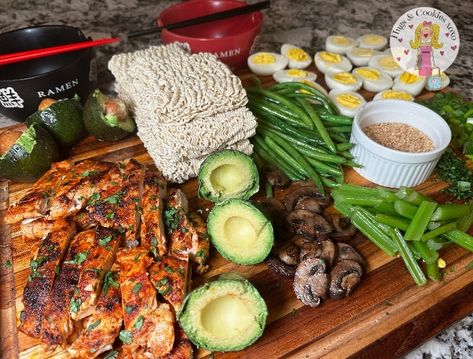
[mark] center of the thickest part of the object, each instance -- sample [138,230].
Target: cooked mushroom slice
[345,252]
[344,277]
[281,268]
[309,203]
[311,282]
[343,229]
[299,240]
[328,252]
[289,254]
[310,249]
[291,199]
[276,212]
[275,177]
[302,221]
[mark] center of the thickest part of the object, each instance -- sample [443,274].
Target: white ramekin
[392,168]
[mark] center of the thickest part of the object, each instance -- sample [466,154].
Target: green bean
[329,183]
[335,119]
[339,129]
[420,221]
[264,108]
[411,264]
[392,221]
[339,137]
[405,209]
[344,147]
[450,211]
[438,231]
[318,155]
[324,167]
[290,154]
[460,238]
[318,124]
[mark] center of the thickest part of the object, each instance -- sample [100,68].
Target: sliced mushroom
[328,252]
[275,177]
[302,221]
[299,240]
[276,212]
[289,254]
[281,268]
[344,277]
[290,200]
[311,282]
[347,252]
[309,203]
[310,249]
[343,229]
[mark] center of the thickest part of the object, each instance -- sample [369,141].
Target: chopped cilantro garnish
[171,217]
[139,322]
[93,325]
[74,305]
[137,287]
[109,281]
[79,258]
[105,240]
[125,336]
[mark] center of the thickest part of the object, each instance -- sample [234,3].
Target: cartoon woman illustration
[426,39]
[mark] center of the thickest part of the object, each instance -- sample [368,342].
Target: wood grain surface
[386,316]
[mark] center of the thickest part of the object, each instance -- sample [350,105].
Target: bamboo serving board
[385,317]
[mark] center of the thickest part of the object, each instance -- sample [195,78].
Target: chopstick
[55,50]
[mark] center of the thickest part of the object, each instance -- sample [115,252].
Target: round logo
[424,41]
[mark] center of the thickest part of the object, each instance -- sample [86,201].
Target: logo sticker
[424,41]
[9,98]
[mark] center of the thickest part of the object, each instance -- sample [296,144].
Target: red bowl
[229,39]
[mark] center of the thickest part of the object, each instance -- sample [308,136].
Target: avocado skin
[63,120]
[21,166]
[228,282]
[94,120]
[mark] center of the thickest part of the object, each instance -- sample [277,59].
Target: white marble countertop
[304,23]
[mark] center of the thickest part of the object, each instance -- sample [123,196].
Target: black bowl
[23,85]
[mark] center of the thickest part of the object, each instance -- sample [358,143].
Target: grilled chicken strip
[182,346]
[35,203]
[187,238]
[41,227]
[101,329]
[57,323]
[99,261]
[78,184]
[44,266]
[152,231]
[149,327]
[170,277]
[118,205]
[84,220]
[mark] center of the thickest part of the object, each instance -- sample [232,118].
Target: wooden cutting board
[386,316]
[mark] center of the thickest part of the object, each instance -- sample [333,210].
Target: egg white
[383,82]
[364,42]
[380,95]
[295,63]
[445,82]
[334,84]
[344,110]
[327,67]
[360,59]
[414,88]
[378,61]
[267,69]
[286,76]
[339,44]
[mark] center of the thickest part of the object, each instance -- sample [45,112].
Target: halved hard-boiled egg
[343,81]
[315,85]
[372,41]
[387,64]
[339,44]
[359,56]
[393,95]
[373,79]
[266,63]
[437,83]
[298,58]
[331,63]
[347,102]
[410,83]
[294,75]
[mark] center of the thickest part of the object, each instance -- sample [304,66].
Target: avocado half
[107,117]
[63,120]
[228,174]
[240,232]
[30,156]
[227,314]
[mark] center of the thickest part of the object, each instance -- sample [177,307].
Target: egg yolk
[397,95]
[408,78]
[330,57]
[263,58]
[297,73]
[373,39]
[340,40]
[363,52]
[388,62]
[369,74]
[297,54]
[345,78]
[348,100]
